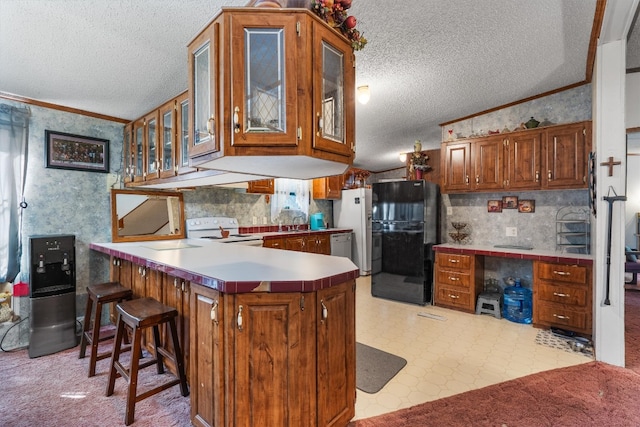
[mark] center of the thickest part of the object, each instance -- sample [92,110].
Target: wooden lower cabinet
[206,378]
[317,243]
[562,296]
[285,359]
[458,280]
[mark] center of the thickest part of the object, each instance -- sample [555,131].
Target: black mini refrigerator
[52,294]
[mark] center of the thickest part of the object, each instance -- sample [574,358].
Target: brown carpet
[632,328]
[54,390]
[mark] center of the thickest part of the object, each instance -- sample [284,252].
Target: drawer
[453,278]
[562,273]
[448,296]
[555,315]
[572,295]
[445,260]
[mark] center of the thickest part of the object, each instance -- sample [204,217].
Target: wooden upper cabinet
[152,150]
[524,160]
[138,151]
[203,60]
[271,83]
[456,166]
[553,157]
[261,186]
[166,134]
[182,134]
[329,187]
[128,153]
[566,149]
[488,163]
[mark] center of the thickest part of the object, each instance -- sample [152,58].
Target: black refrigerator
[405,226]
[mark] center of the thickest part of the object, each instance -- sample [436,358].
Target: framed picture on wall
[494,206]
[76,152]
[510,202]
[527,206]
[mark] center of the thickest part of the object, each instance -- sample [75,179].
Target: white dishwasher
[341,244]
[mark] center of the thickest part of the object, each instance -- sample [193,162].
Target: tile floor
[445,357]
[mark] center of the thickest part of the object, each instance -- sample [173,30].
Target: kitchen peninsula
[268,335]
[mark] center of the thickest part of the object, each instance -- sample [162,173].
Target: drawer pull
[453,279]
[454,261]
[562,273]
[561,295]
[454,296]
[560,316]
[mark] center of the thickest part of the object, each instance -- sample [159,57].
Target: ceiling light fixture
[403,157]
[364,94]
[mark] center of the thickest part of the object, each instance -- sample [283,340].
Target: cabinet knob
[537,176]
[214,312]
[239,319]
[549,175]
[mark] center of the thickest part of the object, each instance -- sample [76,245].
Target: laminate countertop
[517,252]
[233,268]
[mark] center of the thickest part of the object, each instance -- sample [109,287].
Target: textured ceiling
[427,61]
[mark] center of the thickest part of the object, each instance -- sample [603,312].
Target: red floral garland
[334,12]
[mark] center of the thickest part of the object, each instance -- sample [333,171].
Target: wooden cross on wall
[610,163]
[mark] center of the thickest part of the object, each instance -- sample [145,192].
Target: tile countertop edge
[119,250]
[533,254]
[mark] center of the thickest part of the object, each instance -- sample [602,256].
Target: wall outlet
[264,220]
[512,231]
[255,220]
[449,210]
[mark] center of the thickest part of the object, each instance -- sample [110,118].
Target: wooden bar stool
[140,314]
[103,293]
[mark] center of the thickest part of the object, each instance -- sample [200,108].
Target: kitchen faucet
[297,227]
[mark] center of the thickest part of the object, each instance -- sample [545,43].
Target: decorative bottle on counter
[517,303]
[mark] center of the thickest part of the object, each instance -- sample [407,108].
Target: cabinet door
[203,59]
[329,187]
[264,84]
[167,139]
[182,135]
[128,158]
[206,375]
[175,293]
[319,244]
[121,272]
[334,77]
[456,166]
[336,354]
[152,149]
[566,157]
[488,163]
[296,243]
[274,350]
[261,186]
[137,155]
[273,243]
[523,170]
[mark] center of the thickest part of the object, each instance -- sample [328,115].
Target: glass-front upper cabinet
[137,154]
[182,134]
[127,151]
[203,66]
[167,137]
[264,98]
[152,149]
[334,128]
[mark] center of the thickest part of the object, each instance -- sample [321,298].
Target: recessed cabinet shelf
[573,230]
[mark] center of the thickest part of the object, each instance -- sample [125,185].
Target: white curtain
[290,200]
[14,126]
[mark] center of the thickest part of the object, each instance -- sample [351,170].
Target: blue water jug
[517,303]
